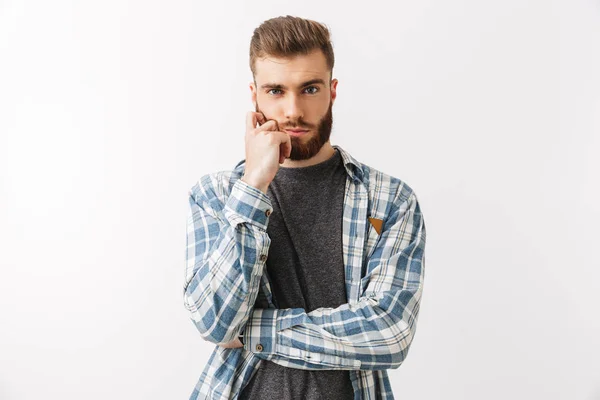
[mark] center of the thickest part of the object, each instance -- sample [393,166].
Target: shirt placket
[354,228]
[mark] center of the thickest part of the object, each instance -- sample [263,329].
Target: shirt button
[263,257]
[268,212]
[259,347]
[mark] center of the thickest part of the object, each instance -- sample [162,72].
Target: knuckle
[271,138]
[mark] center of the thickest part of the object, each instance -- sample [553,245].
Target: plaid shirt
[227,289]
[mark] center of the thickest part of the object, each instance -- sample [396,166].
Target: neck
[324,154]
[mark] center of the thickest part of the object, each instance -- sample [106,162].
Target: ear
[253,93]
[334,83]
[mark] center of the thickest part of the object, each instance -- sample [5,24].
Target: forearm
[225,261]
[375,333]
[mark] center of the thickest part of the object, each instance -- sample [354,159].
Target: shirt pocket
[372,237]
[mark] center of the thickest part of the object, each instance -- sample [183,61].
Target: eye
[270,91]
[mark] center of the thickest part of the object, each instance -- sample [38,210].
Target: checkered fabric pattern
[226,290]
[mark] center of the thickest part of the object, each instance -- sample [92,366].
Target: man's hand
[233,344]
[266,148]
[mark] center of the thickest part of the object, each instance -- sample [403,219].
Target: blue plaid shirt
[226,291]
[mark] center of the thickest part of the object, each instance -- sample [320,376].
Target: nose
[293,110]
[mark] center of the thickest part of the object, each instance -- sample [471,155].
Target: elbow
[211,323]
[397,359]
[220,338]
[218,315]
[392,355]
[400,348]
[213,330]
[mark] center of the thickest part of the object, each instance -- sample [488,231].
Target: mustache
[287,126]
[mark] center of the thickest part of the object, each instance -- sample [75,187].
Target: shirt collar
[353,167]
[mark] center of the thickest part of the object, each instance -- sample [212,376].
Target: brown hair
[289,36]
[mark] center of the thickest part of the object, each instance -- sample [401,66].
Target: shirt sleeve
[373,333]
[226,249]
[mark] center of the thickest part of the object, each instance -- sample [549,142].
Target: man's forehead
[292,71]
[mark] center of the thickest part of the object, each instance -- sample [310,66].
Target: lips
[296,132]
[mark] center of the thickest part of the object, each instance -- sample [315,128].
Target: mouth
[297,132]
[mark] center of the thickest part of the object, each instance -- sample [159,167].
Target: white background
[111,110]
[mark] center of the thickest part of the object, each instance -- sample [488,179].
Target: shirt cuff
[260,334]
[247,204]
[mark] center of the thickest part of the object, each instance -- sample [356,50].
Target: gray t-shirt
[306,267]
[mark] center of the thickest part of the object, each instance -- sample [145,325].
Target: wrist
[253,182]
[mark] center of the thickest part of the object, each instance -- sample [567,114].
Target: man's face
[296,93]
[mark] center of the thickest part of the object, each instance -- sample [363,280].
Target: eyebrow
[280,86]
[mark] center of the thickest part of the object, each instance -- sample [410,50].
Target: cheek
[318,113]
[267,106]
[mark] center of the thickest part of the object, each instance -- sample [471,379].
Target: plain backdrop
[110,111]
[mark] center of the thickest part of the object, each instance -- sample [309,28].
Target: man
[304,266]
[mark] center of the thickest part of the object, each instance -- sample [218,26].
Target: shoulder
[379,184]
[386,192]
[382,184]
[389,195]
[391,199]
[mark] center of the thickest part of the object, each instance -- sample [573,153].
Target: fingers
[285,145]
[281,137]
[252,118]
[261,118]
[269,127]
[281,153]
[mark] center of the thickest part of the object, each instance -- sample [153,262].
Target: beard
[302,150]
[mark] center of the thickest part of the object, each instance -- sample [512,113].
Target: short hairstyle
[289,36]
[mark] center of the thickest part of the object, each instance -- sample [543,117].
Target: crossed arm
[225,241]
